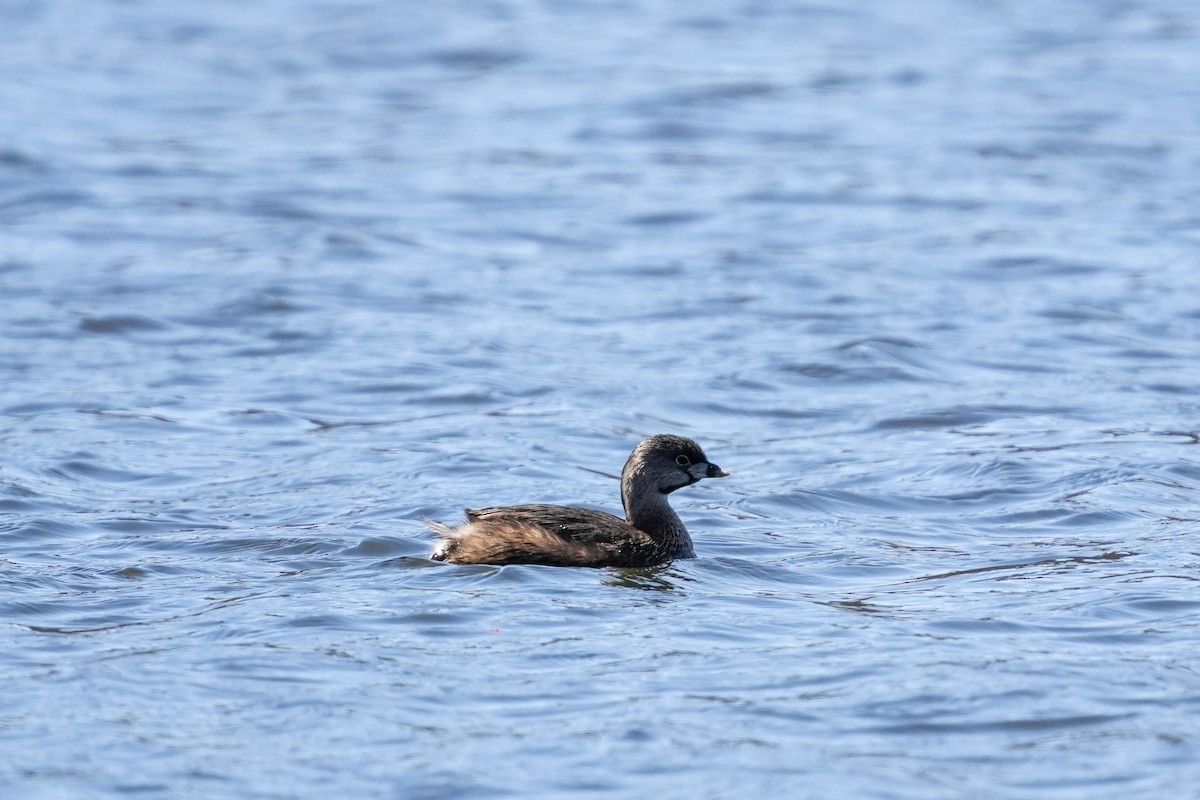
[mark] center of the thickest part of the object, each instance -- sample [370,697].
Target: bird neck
[647,509]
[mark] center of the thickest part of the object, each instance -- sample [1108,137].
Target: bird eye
[683,461]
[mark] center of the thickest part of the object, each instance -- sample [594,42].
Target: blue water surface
[281,281]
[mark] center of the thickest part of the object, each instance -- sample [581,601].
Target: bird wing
[584,526]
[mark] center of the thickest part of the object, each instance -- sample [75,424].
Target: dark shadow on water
[648,578]
[1045,562]
[207,609]
[656,579]
[860,606]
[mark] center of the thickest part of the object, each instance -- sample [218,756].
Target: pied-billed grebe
[650,534]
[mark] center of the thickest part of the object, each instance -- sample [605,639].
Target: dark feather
[537,533]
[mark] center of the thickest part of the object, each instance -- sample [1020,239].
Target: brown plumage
[650,534]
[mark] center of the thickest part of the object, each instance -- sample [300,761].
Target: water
[279,281]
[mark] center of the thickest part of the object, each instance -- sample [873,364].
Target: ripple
[379,547]
[965,416]
[906,202]
[286,283]
[16,159]
[96,472]
[476,59]
[663,218]
[41,530]
[1029,724]
[716,94]
[1005,268]
[120,323]
[43,202]
[833,373]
